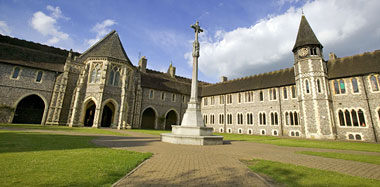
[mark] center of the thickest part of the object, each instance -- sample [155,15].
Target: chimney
[142,64]
[69,56]
[223,79]
[332,56]
[171,70]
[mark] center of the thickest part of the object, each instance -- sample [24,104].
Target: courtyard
[34,155]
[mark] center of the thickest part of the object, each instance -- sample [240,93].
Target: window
[240,131]
[285,90]
[313,51]
[307,86]
[342,87]
[16,72]
[239,118]
[212,100]
[319,86]
[263,132]
[294,93]
[262,118]
[163,95]
[212,119]
[221,130]
[229,99]
[221,119]
[205,119]
[374,83]
[354,136]
[183,99]
[351,137]
[249,131]
[151,94]
[239,97]
[39,76]
[229,119]
[205,101]
[249,96]
[114,76]
[221,99]
[250,118]
[355,87]
[95,73]
[261,96]
[273,118]
[173,97]
[291,118]
[229,130]
[353,118]
[339,86]
[336,87]
[272,94]
[294,133]
[275,133]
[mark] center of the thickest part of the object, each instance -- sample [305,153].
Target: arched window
[294,93]
[275,132]
[361,118]
[272,118]
[336,87]
[307,86]
[287,118]
[292,133]
[274,94]
[358,137]
[249,131]
[275,118]
[319,86]
[355,87]
[295,118]
[264,119]
[341,118]
[350,136]
[354,118]
[263,132]
[348,118]
[16,72]
[95,74]
[114,76]
[374,84]
[342,86]
[291,118]
[297,133]
[261,96]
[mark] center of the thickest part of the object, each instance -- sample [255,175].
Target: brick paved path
[219,165]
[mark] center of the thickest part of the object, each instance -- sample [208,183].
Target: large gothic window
[114,76]
[95,73]
[355,118]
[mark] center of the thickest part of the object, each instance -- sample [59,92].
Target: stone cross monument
[192,129]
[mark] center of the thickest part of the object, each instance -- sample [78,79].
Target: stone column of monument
[192,129]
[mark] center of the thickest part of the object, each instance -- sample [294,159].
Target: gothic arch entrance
[108,115]
[171,119]
[29,110]
[90,113]
[148,120]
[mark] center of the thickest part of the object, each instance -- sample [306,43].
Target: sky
[240,38]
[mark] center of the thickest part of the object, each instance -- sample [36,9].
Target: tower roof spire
[305,35]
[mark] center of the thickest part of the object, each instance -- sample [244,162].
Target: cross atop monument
[197,29]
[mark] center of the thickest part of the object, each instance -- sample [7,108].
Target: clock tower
[314,98]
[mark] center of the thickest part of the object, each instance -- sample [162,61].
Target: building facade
[338,98]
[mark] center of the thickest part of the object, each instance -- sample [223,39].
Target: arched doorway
[29,110]
[148,119]
[108,115]
[171,119]
[90,113]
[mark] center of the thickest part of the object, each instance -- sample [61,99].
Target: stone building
[338,98]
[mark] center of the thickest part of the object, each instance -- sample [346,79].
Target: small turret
[142,64]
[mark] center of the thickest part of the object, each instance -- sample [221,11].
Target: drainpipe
[279,102]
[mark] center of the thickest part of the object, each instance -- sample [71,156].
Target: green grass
[88,130]
[148,131]
[293,175]
[41,159]
[372,159]
[292,142]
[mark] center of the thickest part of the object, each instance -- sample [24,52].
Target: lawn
[293,142]
[148,131]
[41,159]
[372,159]
[293,175]
[88,130]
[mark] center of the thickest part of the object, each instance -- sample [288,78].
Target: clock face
[303,52]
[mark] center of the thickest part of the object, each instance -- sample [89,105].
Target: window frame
[18,73]
[36,78]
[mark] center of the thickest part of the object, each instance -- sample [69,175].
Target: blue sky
[241,37]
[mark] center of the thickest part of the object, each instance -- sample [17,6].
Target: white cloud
[101,29]
[4,29]
[344,27]
[47,24]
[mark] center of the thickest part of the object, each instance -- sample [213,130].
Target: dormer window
[313,51]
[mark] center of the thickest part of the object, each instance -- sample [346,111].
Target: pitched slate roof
[109,46]
[26,53]
[305,35]
[361,64]
[261,81]
[163,81]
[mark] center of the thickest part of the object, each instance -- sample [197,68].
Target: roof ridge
[177,76]
[352,56]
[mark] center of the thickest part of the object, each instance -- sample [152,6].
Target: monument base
[191,136]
